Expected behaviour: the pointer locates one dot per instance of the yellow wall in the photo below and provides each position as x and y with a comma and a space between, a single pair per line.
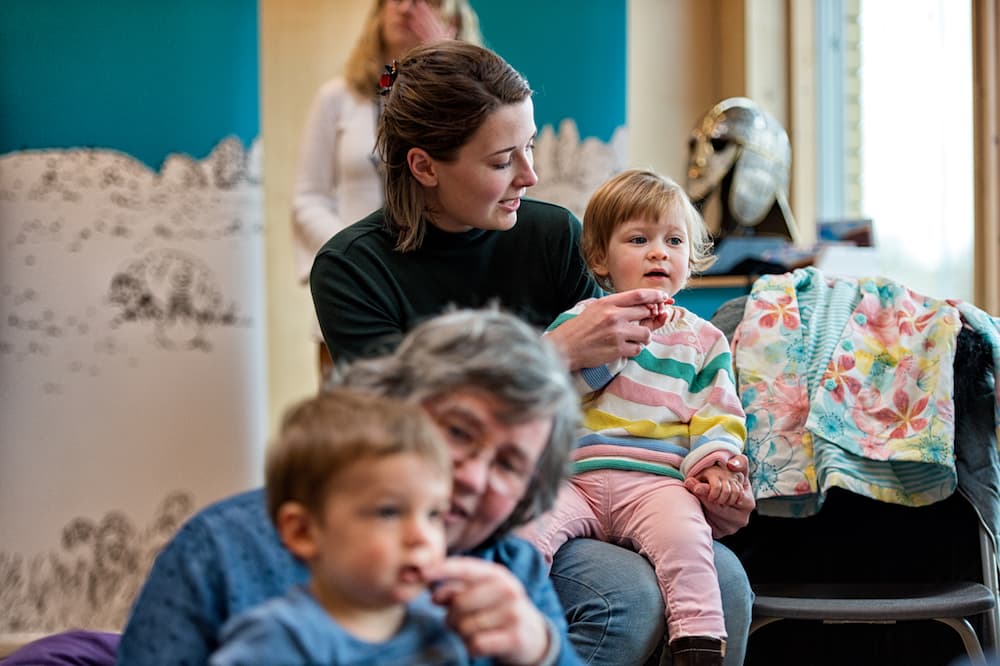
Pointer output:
686, 55
674, 77
302, 44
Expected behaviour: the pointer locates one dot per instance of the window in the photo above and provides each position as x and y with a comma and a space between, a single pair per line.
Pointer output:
895, 134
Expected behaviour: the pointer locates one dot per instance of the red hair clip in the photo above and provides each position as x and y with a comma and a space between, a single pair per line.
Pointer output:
387, 79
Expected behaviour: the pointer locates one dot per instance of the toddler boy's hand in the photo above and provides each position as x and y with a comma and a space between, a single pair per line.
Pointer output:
489, 608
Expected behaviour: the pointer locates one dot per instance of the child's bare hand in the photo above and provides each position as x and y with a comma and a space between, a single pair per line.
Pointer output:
659, 314
719, 485
608, 329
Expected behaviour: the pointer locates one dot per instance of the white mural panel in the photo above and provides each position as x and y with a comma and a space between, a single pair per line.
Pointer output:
569, 170
132, 367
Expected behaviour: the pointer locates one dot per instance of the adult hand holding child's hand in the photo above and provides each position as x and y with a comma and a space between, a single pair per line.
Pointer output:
726, 518
659, 314
609, 328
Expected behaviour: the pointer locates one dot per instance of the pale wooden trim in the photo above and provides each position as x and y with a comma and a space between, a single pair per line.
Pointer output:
986, 124
765, 31
802, 126
665, 102
731, 73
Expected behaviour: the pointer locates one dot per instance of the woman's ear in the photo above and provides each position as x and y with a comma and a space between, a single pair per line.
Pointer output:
295, 528
422, 167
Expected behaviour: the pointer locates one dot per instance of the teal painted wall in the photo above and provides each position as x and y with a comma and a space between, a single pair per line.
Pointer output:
150, 78
573, 54
143, 77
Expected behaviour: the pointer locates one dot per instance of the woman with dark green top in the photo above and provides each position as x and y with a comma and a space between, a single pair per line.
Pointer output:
368, 293
455, 138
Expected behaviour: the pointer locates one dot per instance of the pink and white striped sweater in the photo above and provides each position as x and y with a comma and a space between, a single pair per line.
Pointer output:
671, 410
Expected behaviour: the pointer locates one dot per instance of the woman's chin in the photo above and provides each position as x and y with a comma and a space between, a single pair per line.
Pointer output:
505, 222
504, 217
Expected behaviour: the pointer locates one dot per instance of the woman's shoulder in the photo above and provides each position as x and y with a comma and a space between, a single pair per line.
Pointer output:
233, 530
228, 529
537, 210
513, 552
371, 231
247, 505
545, 221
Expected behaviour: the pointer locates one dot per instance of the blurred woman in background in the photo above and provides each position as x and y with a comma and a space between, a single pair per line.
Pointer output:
338, 181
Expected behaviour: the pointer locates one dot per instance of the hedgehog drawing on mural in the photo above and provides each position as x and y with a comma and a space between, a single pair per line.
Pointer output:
175, 292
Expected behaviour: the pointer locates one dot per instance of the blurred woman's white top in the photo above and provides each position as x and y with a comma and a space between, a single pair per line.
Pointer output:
337, 183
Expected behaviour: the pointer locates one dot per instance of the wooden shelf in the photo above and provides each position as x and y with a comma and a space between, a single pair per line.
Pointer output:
715, 281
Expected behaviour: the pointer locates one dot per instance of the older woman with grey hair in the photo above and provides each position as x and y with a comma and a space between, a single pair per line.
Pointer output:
495, 358
503, 400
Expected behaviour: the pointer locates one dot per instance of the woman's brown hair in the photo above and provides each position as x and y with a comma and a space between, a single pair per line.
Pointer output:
442, 95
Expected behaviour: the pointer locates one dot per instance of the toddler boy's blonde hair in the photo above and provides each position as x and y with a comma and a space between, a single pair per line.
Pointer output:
321, 436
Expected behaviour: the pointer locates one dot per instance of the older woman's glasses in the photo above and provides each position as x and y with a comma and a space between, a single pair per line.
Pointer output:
507, 473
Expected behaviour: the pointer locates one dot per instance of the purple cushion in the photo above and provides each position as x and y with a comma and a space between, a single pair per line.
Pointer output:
69, 648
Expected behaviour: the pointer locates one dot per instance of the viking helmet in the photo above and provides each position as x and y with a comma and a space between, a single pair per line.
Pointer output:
738, 136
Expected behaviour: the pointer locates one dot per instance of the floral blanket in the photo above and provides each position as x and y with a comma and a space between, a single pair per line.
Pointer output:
846, 383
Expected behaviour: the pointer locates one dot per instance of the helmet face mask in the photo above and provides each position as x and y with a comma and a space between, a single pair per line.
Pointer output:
737, 137
710, 160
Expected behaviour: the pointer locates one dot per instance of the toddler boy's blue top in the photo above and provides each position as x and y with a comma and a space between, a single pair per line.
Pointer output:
228, 558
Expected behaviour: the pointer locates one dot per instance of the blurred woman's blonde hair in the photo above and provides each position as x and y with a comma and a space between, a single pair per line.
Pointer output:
364, 64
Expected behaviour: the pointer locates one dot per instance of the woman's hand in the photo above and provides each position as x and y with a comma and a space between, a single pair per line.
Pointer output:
726, 518
717, 484
489, 609
428, 25
609, 328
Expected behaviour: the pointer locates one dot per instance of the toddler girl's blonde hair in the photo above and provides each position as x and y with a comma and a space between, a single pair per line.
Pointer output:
640, 194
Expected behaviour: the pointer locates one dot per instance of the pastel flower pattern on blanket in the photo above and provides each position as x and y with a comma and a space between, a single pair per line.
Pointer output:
846, 383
